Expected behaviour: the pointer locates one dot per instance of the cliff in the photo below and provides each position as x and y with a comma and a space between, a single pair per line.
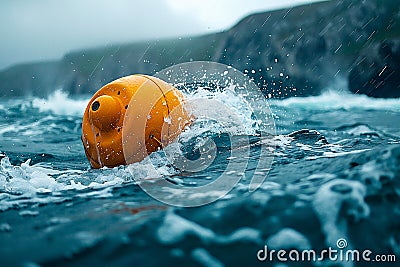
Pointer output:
288, 52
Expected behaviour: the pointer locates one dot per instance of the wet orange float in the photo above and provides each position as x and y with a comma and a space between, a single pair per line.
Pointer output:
130, 118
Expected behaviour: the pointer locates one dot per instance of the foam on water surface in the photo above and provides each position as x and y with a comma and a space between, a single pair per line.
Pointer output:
60, 103
331, 100
330, 170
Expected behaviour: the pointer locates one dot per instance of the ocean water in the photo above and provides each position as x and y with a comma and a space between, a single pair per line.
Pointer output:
335, 175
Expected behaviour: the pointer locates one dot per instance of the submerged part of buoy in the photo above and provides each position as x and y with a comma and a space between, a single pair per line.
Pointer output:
130, 118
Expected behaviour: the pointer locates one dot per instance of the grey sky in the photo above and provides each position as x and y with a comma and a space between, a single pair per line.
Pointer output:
35, 30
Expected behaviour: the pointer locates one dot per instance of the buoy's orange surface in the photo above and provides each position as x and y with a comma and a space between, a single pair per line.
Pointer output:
130, 118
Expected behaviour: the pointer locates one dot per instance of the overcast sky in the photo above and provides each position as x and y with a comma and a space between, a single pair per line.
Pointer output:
35, 30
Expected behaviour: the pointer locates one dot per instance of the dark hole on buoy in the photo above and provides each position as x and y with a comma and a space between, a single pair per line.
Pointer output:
95, 105
118, 93
126, 107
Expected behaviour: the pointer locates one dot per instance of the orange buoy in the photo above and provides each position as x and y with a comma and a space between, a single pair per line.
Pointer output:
130, 118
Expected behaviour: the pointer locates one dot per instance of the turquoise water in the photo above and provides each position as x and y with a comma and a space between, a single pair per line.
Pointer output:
335, 174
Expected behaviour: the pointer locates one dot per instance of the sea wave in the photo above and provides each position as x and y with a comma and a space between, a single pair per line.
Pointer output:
38, 183
60, 103
331, 100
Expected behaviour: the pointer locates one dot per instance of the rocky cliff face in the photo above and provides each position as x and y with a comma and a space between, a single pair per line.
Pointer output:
376, 71
289, 52
302, 50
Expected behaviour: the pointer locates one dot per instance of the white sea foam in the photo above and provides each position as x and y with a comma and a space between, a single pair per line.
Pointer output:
330, 154
59, 103
288, 238
337, 200
223, 111
28, 180
27, 129
339, 100
176, 228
